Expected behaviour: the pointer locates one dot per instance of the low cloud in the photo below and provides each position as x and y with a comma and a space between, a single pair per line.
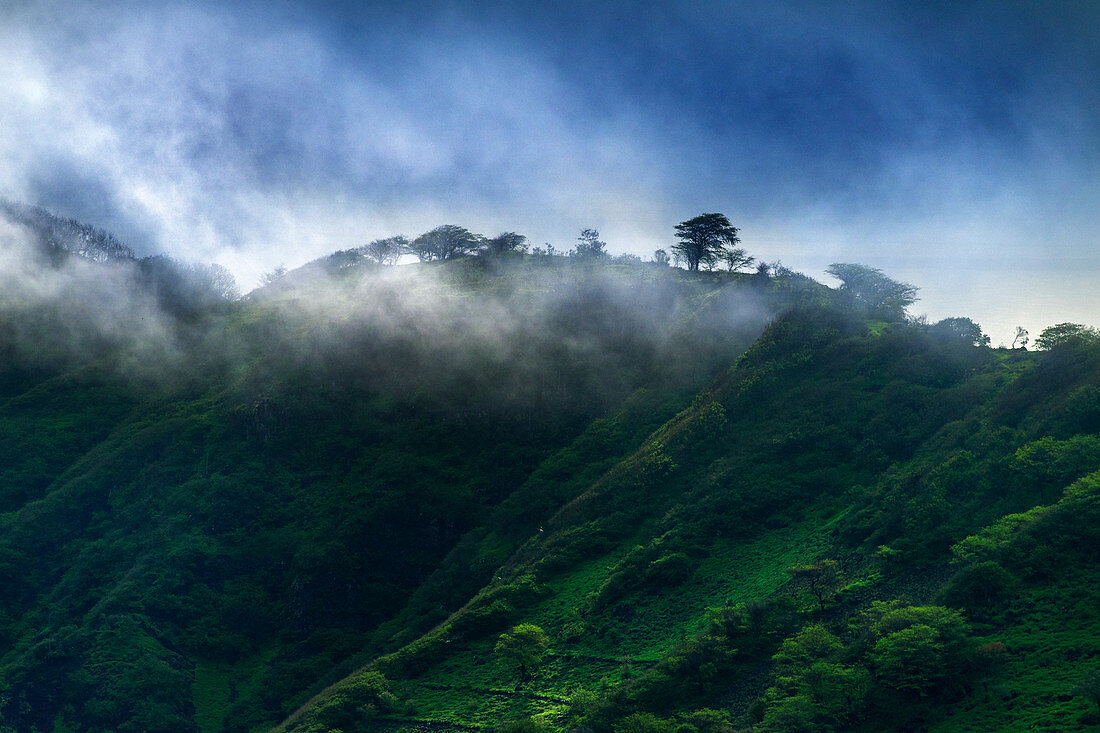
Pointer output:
266, 133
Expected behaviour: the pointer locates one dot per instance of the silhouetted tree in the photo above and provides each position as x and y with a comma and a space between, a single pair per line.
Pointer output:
589, 246
735, 258
1021, 337
386, 251
660, 257
822, 579
505, 242
444, 243
868, 288
963, 329
703, 238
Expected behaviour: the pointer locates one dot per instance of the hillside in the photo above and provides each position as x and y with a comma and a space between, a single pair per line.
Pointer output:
259, 487
850, 529
686, 501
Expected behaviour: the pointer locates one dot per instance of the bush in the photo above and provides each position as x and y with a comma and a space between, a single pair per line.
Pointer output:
981, 588
644, 723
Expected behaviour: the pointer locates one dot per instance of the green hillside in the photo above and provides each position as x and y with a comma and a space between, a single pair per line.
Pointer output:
536, 493
852, 528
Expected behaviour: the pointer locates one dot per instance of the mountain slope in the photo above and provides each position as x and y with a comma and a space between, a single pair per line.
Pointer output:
202, 523
664, 588
674, 501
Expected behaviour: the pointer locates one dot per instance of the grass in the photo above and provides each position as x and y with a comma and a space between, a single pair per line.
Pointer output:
1051, 644
471, 688
218, 685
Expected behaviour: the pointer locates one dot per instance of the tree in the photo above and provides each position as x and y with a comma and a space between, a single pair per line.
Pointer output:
506, 242
1021, 337
814, 689
867, 288
386, 251
918, 647
589, 246
218, 280
523, 647
186, 288
643, 723
1066, 333
822, 578
703, 238
661, 258
735, 257
445, 243
275, 275
962, 329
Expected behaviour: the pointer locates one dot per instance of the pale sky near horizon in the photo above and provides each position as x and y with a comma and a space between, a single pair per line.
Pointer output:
953, 145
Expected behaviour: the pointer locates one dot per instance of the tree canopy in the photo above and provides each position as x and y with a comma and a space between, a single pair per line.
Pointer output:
444, 243
386, 251
590, 246
1066, 333
868, 288
963, 329
703, 238
524, 647
506, 242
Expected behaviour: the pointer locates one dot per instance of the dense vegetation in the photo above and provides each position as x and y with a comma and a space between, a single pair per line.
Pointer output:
533, 492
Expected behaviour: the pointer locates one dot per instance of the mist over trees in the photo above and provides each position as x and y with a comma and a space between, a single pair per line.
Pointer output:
657, 500
590, 246
58, 236
505, 242
387, 251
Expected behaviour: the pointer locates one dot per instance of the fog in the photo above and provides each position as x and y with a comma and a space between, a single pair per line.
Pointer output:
495, 334
921, 140
475, 337
64, 312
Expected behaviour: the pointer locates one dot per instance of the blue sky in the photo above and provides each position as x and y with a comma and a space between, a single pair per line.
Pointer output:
954, 145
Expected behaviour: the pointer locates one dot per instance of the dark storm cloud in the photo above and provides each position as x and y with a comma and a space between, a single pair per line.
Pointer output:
914, 136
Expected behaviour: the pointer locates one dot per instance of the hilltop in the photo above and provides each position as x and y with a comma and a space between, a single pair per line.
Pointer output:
536, 492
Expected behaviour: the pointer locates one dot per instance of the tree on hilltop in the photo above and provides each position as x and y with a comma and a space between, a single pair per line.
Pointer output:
386, 251
590, 246
445, 243
735, 258
506, 242
703, 238
868, 288
1066, 333
962, 329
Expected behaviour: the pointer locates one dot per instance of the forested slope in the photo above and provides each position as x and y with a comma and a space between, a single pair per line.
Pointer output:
204, 518
531, 492
857, 526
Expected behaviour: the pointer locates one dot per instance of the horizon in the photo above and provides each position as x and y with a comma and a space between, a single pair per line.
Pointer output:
955, 148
